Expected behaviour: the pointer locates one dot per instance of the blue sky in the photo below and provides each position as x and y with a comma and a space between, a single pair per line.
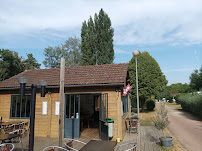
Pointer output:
170, 30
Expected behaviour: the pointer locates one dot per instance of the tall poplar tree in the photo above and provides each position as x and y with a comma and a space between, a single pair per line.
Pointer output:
97, 40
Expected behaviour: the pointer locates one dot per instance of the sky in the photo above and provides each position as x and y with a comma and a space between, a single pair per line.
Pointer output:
170, 30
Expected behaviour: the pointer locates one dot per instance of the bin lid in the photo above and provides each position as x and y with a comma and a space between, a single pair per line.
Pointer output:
109, 120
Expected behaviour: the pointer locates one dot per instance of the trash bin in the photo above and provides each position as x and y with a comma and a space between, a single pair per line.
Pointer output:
110, 122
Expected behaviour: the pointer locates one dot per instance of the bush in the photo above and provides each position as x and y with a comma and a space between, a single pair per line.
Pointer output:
170, 98
150, 104
192, 103
177, 99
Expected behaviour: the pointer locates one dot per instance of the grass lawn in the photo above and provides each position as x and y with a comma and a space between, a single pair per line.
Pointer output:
147, 118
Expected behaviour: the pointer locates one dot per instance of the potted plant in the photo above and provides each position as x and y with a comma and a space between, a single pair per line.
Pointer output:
161, 123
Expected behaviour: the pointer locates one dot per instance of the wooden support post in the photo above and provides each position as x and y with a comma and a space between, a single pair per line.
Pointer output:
61, 111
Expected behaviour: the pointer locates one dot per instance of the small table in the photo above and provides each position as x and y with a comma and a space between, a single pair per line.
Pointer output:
99, 146
4, 137
5, 124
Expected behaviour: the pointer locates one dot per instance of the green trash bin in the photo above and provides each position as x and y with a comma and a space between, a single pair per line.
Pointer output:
110, 122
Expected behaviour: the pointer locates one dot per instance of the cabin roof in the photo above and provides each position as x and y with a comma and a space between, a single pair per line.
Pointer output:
79, 75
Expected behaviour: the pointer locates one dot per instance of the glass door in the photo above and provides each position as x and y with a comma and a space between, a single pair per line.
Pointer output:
72, 116
103, 116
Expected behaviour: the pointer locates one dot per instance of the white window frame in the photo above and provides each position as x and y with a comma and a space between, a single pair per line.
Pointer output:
57, 107
45, 108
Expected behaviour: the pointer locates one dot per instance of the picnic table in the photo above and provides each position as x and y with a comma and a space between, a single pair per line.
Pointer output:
4, 137
99, 146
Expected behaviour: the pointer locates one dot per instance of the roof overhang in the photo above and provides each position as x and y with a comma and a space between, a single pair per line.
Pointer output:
68, 86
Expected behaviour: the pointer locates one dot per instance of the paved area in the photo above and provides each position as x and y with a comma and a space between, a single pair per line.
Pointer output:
186, 128
147, 139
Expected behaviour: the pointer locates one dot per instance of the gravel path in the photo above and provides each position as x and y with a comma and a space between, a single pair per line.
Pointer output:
186, 128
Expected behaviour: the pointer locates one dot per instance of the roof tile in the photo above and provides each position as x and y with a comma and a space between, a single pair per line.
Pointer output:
80, 75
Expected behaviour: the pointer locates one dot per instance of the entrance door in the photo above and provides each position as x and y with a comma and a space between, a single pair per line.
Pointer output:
72, 116
103, 117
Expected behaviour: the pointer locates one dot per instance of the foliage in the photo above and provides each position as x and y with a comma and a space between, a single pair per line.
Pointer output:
150, 104
150, 77
196, 79
163, 94
192, 103
162, 117
70, 51
170, 98
11, 64
97, 40
180, 88
177, 98
31, 63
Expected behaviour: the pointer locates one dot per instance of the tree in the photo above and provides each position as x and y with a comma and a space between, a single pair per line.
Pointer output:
150, 77
88, 48
10, 64
97, 40
179, 88
196, 79
70, 51
31, 63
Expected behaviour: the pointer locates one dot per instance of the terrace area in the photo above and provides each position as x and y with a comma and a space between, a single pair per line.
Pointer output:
147, 140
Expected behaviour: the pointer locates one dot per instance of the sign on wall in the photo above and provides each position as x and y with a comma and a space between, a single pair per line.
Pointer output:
125, 91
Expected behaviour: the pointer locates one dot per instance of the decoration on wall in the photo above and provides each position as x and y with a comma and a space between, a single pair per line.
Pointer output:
125, 91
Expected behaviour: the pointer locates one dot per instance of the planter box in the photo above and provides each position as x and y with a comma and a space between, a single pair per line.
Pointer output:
166, 141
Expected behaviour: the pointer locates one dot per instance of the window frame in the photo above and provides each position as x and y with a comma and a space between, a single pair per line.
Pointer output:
11, 105
124, 102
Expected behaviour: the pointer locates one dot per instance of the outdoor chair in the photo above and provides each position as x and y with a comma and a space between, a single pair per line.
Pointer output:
133, 148
25, 126
133, 125
15, 126
69, 144
17, 139
52, 148
6, 147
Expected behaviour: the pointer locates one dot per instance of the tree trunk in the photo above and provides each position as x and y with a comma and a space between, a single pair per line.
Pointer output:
142, 105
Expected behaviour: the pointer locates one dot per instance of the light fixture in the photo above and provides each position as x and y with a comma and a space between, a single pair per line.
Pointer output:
22, 81
136, 53
43, 84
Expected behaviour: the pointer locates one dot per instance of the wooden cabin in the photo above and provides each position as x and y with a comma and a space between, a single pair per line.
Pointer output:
92, 94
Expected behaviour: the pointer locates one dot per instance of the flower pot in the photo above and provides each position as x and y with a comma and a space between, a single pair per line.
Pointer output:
166, 141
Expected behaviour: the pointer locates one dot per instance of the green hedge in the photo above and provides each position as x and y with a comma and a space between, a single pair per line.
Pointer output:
150, 104
191, 103
177, 98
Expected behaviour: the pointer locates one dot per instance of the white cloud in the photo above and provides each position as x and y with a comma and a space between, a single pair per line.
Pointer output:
135, 22
120, 51
179, 70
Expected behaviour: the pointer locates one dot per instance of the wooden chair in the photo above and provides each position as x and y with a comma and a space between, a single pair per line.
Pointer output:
133, 148
69, 144
6, 147
52, 148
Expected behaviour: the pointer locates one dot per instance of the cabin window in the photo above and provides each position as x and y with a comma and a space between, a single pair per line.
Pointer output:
20, 106
124, 104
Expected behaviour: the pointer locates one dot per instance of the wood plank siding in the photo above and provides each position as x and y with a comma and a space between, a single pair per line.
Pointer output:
48, 125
